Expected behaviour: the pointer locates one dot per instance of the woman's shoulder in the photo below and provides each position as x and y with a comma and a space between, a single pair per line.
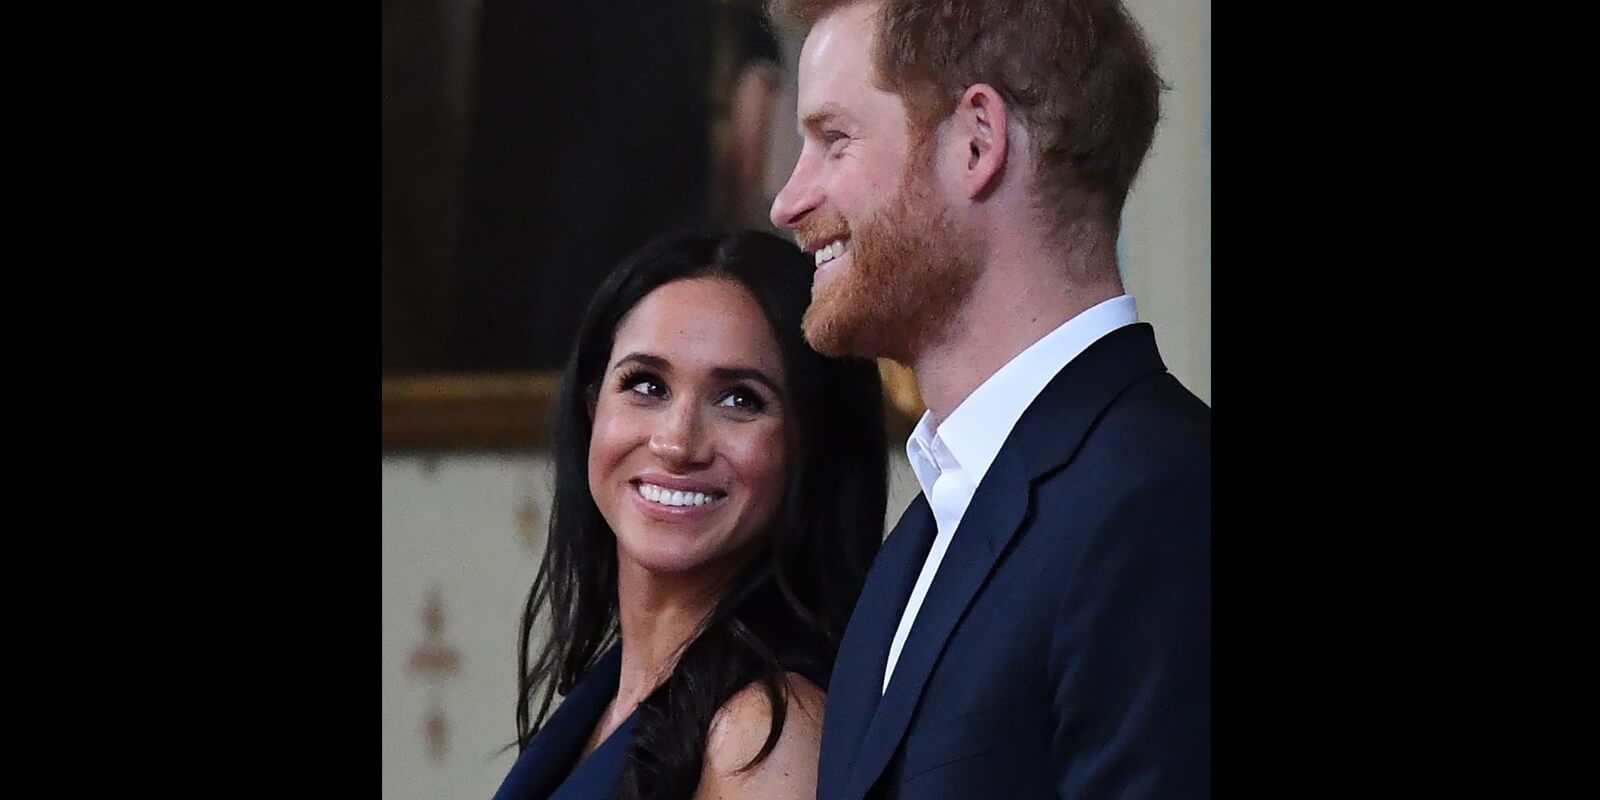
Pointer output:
739, 732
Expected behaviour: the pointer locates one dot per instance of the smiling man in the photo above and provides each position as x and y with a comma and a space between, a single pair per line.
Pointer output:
1038, 623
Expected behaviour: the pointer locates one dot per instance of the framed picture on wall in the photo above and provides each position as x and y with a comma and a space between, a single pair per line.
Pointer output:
527, 149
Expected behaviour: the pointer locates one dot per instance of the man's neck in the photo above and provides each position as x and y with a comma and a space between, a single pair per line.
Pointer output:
1019, 297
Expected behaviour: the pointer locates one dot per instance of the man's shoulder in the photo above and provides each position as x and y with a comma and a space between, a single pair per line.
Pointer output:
1155, 418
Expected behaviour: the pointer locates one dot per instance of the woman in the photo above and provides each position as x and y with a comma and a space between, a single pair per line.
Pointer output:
719, 496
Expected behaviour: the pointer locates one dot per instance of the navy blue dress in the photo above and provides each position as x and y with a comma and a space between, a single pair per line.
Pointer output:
542, 771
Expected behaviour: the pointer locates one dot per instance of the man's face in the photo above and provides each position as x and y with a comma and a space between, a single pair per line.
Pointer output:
864, 200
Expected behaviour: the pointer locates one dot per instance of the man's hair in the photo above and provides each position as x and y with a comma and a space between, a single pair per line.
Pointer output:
1078, 73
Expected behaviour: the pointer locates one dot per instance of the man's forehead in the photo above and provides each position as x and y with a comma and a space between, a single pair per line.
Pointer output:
836, 55
847, 32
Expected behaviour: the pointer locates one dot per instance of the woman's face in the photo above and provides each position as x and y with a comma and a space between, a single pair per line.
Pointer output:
687, 454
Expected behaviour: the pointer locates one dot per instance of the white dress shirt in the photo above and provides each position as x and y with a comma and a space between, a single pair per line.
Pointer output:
951, 462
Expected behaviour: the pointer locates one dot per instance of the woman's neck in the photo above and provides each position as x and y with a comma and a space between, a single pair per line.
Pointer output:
658, 615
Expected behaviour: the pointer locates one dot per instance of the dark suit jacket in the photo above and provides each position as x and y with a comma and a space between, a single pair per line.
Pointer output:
1063, 649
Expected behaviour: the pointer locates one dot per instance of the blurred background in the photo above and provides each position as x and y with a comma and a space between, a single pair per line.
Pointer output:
527, 147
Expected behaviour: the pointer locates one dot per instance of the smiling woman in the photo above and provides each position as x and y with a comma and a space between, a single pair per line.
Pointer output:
719, 493
690, 429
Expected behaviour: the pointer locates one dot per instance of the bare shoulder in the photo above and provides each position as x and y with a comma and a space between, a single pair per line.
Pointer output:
740, 728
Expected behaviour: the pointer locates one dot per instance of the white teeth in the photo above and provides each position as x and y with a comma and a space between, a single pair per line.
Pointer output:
829, 253
670, 497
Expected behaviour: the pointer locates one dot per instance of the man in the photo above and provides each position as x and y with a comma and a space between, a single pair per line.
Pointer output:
1038, 623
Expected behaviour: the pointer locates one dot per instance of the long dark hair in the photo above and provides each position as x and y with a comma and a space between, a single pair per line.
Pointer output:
787, 609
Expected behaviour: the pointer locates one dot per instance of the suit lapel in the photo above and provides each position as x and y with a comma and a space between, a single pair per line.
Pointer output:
1046, 438
995, 514
856, 687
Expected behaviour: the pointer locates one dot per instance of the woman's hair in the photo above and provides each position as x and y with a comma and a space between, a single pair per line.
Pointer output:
786, 610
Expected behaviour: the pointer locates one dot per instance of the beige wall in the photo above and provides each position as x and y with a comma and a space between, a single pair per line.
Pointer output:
451, 525
1166, 242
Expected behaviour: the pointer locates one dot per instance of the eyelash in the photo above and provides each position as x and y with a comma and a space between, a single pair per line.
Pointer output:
631, 380
755, 403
